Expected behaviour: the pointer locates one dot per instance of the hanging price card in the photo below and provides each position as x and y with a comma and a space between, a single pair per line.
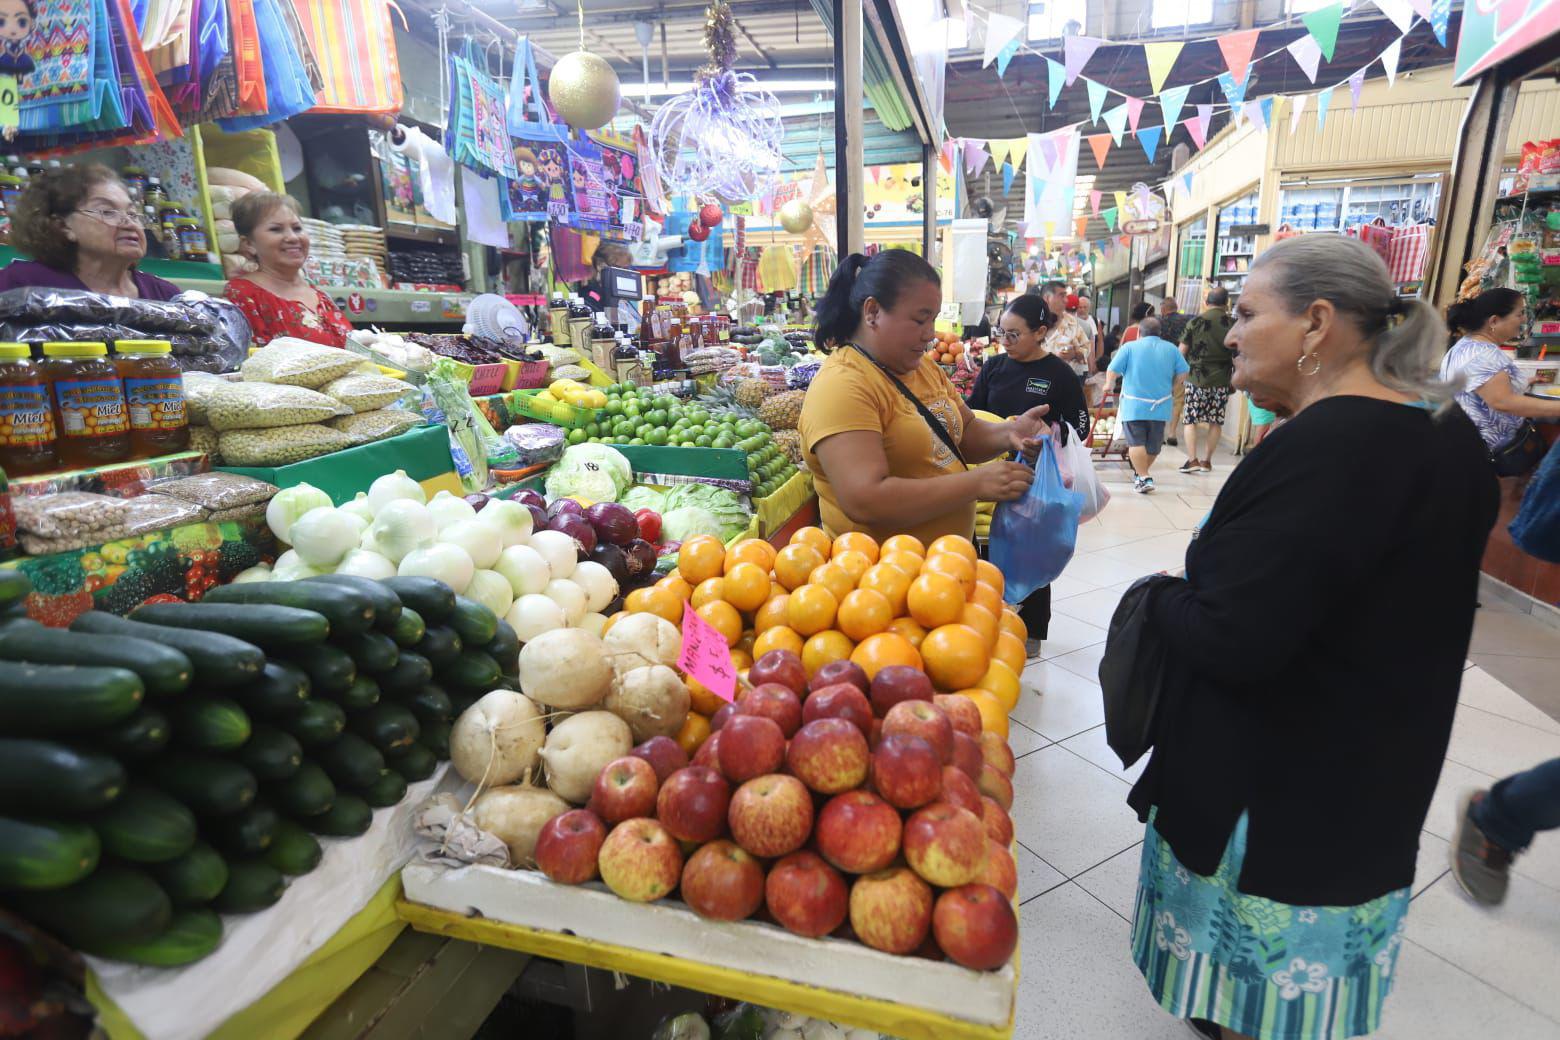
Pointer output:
10, 101
706, 657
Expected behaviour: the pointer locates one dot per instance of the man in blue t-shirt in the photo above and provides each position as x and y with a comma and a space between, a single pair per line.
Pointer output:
1151, 369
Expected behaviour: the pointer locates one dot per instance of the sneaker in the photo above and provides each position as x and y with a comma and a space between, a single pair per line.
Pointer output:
1481, 867
1032, 649
1189, 466
1206, 467
1148, 484
1142, 485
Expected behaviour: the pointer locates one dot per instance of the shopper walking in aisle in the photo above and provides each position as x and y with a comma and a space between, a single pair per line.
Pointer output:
1150, 369
1012, 384
1314, 652
1067, 338
888, 439
1172, 328
1139, 312
1498, 824
1490, 387
276, 297
83, 231
1208, 385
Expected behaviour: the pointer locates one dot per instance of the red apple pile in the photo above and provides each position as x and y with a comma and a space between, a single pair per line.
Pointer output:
869, 809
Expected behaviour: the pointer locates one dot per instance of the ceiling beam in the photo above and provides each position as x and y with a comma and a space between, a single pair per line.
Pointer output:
672, 10
762, 54
883, 24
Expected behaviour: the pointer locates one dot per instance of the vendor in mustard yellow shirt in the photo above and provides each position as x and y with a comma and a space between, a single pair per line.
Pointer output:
888, 439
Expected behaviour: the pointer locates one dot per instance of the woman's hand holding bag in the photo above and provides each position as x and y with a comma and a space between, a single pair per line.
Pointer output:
1033, 537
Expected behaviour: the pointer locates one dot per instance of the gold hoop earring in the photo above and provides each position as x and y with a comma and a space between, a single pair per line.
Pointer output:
1316, 365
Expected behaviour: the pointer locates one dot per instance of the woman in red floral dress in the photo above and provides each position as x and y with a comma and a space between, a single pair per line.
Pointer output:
276, 298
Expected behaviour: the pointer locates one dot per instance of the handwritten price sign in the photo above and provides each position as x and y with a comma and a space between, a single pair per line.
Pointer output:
706, 657
10, 101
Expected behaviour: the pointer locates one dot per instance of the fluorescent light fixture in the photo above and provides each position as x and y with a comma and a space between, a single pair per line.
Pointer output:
783, 86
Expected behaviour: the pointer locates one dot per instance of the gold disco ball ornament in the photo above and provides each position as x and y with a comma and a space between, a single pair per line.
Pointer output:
796, 216
583, 90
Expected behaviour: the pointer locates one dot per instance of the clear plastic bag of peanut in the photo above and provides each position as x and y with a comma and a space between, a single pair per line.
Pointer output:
366, 391
68, 514
376, 425
297, 362
281, 445
257, 406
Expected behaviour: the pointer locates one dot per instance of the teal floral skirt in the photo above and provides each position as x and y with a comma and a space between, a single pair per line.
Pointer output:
1269, 970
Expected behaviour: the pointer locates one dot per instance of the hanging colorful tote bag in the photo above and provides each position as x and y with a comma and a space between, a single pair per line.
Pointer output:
477, 127
539, 188
289, 87
64, 70
248, 68
354, 42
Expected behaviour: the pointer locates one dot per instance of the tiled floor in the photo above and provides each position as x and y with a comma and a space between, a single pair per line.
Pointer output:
1464, 972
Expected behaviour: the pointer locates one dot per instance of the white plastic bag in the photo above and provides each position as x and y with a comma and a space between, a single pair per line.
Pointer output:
1075, 462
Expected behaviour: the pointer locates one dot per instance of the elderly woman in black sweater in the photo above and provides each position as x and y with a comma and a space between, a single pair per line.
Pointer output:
1316, 650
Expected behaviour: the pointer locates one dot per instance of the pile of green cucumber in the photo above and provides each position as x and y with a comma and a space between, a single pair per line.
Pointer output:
159, 770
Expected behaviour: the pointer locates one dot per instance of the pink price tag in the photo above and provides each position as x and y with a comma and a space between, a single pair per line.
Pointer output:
706, 657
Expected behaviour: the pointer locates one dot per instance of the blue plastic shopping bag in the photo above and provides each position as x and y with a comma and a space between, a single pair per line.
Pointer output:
1033, 537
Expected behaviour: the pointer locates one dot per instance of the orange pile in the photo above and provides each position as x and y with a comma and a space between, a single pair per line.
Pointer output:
949, 348
938, 608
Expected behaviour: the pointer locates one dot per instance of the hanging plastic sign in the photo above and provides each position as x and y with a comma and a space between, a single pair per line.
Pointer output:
10, 102
705, 656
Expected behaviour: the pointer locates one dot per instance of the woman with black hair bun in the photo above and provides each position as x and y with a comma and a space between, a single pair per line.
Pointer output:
1011, 383
1490, 387
887, 438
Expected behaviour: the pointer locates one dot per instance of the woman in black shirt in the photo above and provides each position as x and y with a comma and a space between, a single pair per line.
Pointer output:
1011, 384
1314, 655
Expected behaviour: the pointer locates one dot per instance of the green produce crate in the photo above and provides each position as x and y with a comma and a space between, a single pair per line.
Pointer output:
424, 453
571, 417
718, 463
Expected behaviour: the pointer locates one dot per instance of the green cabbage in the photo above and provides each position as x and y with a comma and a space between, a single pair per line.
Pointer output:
725, 506
593, 471
679, 525
642, 497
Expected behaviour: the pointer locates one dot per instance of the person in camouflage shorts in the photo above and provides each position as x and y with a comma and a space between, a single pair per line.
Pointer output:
1208, 385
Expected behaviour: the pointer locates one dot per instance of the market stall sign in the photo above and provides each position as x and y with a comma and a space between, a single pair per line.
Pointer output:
1244, 230
10, 102
1495, 30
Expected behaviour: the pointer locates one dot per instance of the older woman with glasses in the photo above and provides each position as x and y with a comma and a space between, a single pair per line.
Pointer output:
83, 231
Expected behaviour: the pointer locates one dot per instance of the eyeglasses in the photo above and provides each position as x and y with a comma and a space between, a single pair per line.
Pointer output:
1006, 335
115, 217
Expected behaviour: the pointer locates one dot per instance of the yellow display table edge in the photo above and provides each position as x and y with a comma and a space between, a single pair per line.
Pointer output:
831, 1005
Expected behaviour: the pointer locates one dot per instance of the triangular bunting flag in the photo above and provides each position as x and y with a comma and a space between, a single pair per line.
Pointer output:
1307, 55
1205, 117
1004, 56
945, 156
1054, 76
1109, 216
1389, 60
1080, 226
1298, 101
1234, 92
1258, 112
1148, 137
1116, 120
1237, 48
1186, 182
1356, 84
1096, 99
1000, 30
1399, 11
1134, 112
975, 156
1440, 12
1267, 111
1048, 153
1121, 199
1036, 188
1125, 240
1094, 202
1322, 101
1194, 126
1101, 145
1421, 8
1076, 52
876, 172
1050, 231
1008, 173
1161, 59
1170, 102
1322, 24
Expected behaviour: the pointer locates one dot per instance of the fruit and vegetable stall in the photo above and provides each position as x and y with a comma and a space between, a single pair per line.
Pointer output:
563, 670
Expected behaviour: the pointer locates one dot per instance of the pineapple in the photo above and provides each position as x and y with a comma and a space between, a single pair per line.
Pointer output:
721, 401
782, 411
790, 442
750, 393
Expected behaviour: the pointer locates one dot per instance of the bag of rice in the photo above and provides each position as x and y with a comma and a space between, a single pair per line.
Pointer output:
253, 406
297, 362
364, 392
281, 445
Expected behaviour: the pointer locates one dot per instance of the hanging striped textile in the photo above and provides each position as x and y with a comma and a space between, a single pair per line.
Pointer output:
354, 44
816, 271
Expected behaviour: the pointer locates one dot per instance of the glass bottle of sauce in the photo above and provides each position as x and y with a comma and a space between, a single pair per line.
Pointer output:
89, 404
27, 434
558, 313
154, 394
192, 240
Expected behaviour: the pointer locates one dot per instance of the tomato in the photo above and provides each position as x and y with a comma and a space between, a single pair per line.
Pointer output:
649, 522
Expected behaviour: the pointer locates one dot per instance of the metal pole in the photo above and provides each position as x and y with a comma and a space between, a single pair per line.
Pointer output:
849, 154
1469, 202
929, 203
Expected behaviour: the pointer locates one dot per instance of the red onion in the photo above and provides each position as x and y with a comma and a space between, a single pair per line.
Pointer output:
641, 557
531, 497
565, 505
477, 501
614, 560
613, 522
576, 527
538, 516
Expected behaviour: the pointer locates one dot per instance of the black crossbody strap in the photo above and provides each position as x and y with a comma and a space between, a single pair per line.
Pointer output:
926, 413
